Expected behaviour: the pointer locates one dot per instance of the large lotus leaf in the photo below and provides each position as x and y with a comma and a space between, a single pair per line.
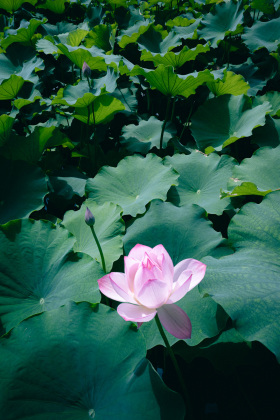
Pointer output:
105, 107
265, 6
231, 83
32, 97
79, 55
262, 169
179, 21
251, 74
75, 38
167, 82
127, 95
185, 233
156, 41
6, 125
30, 148
269, 134
68, 182
263, 35
174, 59
223, 120
13, 5
81, 362
133, 183
273, 98
22, 190
102, 36
23, 66
81, 95
57, 6
187, 32
146, 135
201, 179
10, 88
109, 228
40, 271
23, 34
131, 35
246, 283
225, 20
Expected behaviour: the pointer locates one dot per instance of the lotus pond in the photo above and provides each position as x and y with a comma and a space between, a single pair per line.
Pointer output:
139, 209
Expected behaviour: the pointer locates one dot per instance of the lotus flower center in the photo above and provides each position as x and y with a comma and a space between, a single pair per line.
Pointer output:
91, 413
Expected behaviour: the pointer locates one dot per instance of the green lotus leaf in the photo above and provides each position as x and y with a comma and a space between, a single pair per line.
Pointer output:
79, 55
146, 135
23, 34
67, 182
267, 135
251, 74
109, 228
245, 188
22, 190
31, 147
20, 65
133, 183
273, 98
105, 107
188, 32
174, 59
201, 179
21, 102
186, 234
231, 83
57, 6
263, 35
13, 5
265, 6
226, 19
71, 354
102, 36
75, 38
131, 35
6, 125
126, 93
223, 120
167, 82
10, 88
179, 21
256, 169
47, 45
40, 271
246, 283
80, 95
156, 41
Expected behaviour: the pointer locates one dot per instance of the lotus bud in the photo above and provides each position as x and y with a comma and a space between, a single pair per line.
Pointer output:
86, 70
89, 217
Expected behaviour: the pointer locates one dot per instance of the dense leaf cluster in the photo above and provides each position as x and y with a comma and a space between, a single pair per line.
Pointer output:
171, 136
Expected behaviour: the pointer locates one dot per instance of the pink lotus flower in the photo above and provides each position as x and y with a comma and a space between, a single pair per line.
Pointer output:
151, 285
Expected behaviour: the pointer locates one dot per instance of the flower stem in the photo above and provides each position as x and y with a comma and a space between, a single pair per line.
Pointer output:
177, 369
164, 123
99, 249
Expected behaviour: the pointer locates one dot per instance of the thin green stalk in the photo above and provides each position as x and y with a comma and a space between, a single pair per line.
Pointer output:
173, 109
187, 122
177, 369
102, 259
164, 123
99, 248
